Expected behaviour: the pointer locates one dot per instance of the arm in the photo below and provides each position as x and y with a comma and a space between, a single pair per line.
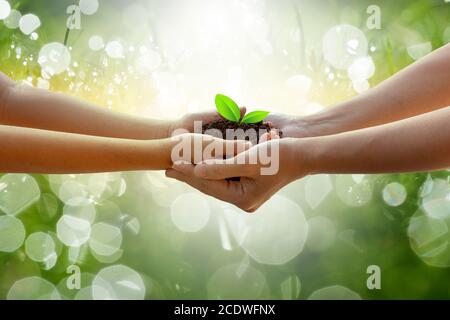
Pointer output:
416, 144
419, 143
30, 107
40, 151
420, 88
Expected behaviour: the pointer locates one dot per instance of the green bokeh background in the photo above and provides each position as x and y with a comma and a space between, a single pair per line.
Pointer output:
177, 265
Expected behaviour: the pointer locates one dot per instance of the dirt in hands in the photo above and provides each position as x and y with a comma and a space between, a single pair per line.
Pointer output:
226, 129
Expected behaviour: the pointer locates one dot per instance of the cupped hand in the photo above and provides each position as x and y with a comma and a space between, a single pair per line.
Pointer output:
187, 122
290, 126
195, 148
259, 178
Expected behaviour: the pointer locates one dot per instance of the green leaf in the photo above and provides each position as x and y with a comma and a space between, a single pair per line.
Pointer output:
255, 116
227, 108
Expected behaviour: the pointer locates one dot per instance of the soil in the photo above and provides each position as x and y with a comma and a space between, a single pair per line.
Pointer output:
250, 132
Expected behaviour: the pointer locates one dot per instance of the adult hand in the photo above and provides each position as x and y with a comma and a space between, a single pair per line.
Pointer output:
295, 126
258, 181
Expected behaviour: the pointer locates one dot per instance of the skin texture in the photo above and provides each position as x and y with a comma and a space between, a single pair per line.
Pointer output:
42, 151
25, 106
44, 132
394, 127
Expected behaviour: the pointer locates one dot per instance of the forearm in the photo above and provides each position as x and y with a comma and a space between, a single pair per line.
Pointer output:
411, 145
422, 87
40, 151
25, 106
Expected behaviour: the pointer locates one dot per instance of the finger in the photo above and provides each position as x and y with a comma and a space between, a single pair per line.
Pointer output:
229, 191
184, 168
264, 138
210, 116
218, 148
197, 147
273, 134
234, 147
224, 169
222, 190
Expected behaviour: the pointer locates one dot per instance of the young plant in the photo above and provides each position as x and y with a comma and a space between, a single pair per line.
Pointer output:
228, 109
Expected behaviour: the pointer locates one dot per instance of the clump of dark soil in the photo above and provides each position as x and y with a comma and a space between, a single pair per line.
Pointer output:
230, 130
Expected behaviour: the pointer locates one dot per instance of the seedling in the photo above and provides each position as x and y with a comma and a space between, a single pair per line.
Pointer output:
228, 109
232, 126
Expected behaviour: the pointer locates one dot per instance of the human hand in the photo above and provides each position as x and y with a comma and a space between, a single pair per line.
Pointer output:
187, 122
257, 183
195, 148
294, 126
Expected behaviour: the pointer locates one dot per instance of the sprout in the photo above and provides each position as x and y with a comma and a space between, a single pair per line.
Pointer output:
228, 109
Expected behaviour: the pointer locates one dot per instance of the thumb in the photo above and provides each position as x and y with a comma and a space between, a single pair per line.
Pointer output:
223, 169
219, 148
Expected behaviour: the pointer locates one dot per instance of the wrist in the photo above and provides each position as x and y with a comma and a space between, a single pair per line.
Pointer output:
156, 154
172, 126
166, 127
322, 124
305, 156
